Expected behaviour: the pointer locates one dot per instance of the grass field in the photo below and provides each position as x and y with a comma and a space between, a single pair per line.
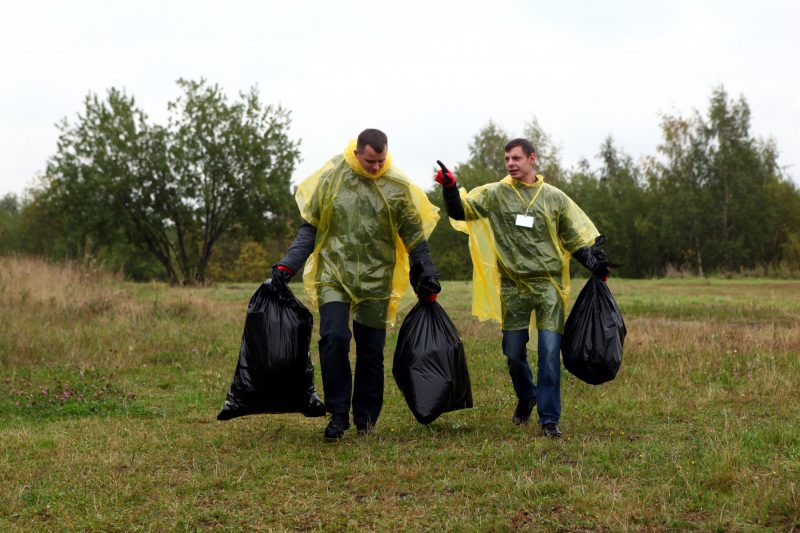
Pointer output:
109, 392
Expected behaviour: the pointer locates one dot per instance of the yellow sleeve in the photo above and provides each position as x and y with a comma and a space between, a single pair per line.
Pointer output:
485, 275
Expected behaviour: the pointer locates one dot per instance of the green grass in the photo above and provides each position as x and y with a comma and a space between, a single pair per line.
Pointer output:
109, 392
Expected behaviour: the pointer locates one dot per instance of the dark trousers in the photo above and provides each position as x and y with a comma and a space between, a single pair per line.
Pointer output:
337, 377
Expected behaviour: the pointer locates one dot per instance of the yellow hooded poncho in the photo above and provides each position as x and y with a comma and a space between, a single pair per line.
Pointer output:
509, 260
366, 224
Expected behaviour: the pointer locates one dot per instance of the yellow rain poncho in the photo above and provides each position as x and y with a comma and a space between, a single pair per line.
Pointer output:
516, 268
366, 224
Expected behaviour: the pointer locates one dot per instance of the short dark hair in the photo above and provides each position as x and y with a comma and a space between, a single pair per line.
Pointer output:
525, 144
375, 138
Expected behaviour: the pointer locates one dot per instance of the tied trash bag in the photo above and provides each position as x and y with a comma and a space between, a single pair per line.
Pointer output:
274, 373
429, 366
591, 346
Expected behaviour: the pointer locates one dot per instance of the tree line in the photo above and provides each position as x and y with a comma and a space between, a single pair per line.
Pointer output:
208, 195
713, 199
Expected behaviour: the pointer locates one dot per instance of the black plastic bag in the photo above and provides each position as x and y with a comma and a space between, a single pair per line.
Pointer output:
274, 373
594, 335
429, 366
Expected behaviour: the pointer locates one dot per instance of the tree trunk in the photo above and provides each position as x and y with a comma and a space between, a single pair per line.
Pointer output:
699, 256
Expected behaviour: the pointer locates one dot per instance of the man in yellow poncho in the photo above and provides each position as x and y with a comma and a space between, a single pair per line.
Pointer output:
522, 233
364, 219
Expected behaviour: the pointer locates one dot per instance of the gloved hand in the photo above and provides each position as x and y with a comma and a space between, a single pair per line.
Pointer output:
425, 281
602, 269
595, 259
281, 275
444, 177
428, 289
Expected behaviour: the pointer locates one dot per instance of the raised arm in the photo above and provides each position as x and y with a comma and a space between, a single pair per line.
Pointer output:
452, 198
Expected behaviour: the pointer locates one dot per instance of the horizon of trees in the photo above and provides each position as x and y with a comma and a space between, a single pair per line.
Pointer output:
208, 195
712, 200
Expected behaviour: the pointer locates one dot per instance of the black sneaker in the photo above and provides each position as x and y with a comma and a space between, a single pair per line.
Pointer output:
337, 426
523, 411
552, 431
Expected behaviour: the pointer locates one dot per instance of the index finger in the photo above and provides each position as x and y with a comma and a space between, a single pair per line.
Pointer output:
444, 168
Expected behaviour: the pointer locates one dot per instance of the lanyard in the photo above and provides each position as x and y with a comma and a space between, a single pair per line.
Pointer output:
523, 200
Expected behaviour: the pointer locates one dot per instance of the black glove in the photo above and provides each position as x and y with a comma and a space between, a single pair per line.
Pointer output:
281, 276
428, 288
425, 281
601, 270
595, 258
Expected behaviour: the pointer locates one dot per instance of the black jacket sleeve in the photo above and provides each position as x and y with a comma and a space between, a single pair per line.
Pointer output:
421, 253
452, 202
301, 248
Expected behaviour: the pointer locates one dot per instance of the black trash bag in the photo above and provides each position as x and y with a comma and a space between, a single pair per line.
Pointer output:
594, 334
274, 373
429, 366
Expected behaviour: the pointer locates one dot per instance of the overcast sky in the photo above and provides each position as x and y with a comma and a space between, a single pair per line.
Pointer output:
429, 73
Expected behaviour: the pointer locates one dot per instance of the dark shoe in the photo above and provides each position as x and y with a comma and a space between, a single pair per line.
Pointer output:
552, 431
315, 407
336, 427
523, 411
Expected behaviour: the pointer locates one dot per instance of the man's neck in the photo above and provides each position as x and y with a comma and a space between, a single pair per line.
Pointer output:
529, 179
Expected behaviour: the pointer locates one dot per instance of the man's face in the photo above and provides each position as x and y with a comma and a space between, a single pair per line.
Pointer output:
518, 164
371, 160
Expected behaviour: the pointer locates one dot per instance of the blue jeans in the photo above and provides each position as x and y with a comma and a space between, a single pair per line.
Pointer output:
547, 390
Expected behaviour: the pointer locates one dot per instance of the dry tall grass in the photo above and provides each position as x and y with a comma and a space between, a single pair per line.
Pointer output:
63, 288
78, 314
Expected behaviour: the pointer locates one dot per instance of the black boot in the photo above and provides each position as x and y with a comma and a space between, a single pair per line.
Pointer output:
337, 426
523, 411
552, 431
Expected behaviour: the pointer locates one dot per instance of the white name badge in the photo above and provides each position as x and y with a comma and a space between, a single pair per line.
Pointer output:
525, 221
